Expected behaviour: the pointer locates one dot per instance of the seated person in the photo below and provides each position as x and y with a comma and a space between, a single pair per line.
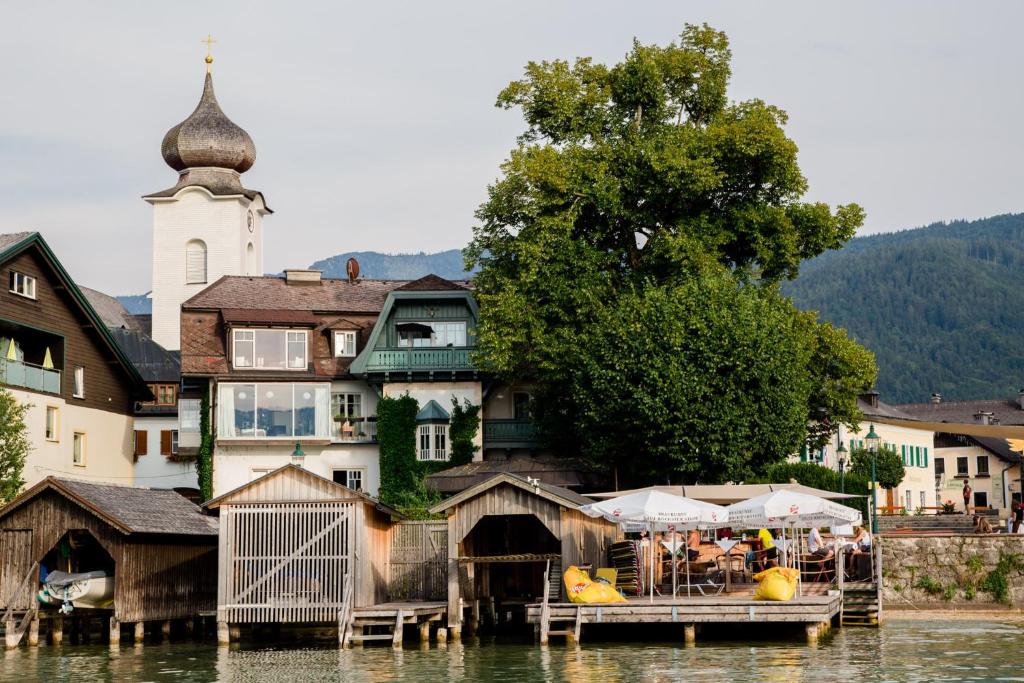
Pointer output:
693, 545
770, 552
981, 525
817, 546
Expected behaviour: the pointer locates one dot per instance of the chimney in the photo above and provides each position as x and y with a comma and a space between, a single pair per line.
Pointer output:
352, 269
871, 398
299, 276
983, 417
936, 398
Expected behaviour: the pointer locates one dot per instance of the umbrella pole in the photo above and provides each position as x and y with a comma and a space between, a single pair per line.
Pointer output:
785, 555
650, 536
799, 574
675, 573
688, 569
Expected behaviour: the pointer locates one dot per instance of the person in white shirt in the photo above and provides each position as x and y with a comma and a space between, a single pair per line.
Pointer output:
817, 546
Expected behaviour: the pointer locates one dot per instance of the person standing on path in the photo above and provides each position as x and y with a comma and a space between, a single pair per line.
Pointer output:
1018, 512
967, 497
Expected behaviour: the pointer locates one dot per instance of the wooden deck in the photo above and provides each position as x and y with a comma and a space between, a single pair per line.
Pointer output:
814, 611
389, 619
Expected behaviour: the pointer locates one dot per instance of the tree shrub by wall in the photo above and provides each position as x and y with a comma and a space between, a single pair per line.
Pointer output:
462, 429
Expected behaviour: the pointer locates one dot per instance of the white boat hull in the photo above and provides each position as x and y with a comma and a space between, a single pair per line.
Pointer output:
95, 593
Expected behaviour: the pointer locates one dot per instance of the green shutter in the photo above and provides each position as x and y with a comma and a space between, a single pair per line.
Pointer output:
903, 449
803, 453
926, 456
917, 460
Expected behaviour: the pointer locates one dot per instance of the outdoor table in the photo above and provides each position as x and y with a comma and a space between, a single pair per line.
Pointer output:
727, 544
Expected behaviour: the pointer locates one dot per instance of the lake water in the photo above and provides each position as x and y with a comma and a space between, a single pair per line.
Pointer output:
899, 651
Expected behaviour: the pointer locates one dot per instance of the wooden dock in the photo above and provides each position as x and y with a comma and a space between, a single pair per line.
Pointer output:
387, 621
816, 612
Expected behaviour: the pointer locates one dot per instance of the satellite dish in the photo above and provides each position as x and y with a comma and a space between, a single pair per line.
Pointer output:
352, 268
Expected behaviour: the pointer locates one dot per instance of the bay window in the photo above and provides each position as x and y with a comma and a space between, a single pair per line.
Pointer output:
274, 410
433, 442
269, 349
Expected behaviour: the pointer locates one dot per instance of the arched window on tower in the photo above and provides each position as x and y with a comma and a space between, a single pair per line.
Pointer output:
195, 262
250, 259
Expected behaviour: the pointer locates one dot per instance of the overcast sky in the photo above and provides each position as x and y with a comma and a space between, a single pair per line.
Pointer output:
375, 127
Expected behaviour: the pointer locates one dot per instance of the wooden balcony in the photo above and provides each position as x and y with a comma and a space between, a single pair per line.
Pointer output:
420, 360
509, 434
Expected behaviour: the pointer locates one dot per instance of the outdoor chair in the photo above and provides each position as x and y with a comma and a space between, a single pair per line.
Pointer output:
734, 563
760, 562
711, 582
815, 569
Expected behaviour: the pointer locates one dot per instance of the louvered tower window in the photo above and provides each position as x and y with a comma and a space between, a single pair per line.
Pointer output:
195, 262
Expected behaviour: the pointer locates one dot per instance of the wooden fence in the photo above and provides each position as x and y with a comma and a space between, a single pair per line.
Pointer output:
419, 560
284, 562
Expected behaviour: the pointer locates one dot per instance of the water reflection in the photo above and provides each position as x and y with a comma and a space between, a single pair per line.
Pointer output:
902, 651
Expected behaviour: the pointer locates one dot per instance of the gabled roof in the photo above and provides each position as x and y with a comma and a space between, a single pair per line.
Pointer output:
129, 509
326, 490
1008, 412
154, 362
13, 244
112, 311
432, 412
555, 494
430, 283
564, 472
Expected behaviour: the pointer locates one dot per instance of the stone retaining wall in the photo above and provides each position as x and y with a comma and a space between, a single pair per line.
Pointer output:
951, 569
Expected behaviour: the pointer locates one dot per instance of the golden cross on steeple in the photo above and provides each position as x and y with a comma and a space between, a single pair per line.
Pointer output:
209, 50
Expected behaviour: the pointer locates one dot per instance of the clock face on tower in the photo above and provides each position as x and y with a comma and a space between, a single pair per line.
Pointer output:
249, 219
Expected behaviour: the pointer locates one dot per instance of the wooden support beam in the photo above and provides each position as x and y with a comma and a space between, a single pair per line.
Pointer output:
396, 639
690, 634
441, 635
139, 635
812, 633
115, 631
33, 630
424, 627
57, 630
165, 630
223, 633
10, 641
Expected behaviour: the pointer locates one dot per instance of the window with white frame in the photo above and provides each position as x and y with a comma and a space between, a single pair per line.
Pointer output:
79, 388
52, 423
269, 349
347, 411
78, 449
23, 285
433, 442
909, 500
353, 479
273, 410
922, 499
344, 343
188, 415
444, 334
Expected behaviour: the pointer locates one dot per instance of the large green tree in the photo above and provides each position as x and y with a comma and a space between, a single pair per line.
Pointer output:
14, 445
629, 259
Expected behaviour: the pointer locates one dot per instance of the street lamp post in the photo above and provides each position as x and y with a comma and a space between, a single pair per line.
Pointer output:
872, 441
841, 455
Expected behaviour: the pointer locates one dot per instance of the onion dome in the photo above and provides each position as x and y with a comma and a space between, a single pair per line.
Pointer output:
208, 138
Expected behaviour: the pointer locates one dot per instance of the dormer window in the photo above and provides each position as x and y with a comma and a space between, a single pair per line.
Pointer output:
269, 349
23, 285
344, 344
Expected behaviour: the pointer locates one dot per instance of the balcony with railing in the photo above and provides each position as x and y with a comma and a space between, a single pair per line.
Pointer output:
510, 433
354, 430
16, 373
420, 359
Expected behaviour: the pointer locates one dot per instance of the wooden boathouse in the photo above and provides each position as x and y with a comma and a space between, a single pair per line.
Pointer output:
160, 548
503, 533
301, 549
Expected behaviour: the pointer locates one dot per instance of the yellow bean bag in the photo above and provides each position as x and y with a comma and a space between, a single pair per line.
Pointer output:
581, 589
777, 583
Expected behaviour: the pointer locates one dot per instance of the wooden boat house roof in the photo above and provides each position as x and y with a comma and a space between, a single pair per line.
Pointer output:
292, 483
550, 492
129, 509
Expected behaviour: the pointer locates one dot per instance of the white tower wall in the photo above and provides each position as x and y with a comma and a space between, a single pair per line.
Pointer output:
222, 223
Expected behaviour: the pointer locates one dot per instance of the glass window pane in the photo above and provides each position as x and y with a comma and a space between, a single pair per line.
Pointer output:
244, 348
274, 412
296, 350
188, 415
305, 410
270, 349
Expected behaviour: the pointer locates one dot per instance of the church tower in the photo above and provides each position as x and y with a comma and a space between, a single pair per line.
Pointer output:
208, 225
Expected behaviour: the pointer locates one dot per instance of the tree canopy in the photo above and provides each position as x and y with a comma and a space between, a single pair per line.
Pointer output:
889, 469
15, 444
629, 259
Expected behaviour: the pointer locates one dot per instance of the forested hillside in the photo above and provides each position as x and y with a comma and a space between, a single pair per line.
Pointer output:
940, 306
373, 264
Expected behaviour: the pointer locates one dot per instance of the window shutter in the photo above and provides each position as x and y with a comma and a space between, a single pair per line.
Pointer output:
141, 442
803, 453
165, 442
903, 452
195, 262
925, 457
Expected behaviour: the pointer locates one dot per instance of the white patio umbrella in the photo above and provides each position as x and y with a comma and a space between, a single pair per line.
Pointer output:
659, 510
781, 508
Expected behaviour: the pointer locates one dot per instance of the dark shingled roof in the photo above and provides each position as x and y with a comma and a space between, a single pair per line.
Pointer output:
557, 494
1006, 411
270, 292
9, 239
430, 283
883, 410
132, 510
111, 311
154, 362
559, 472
